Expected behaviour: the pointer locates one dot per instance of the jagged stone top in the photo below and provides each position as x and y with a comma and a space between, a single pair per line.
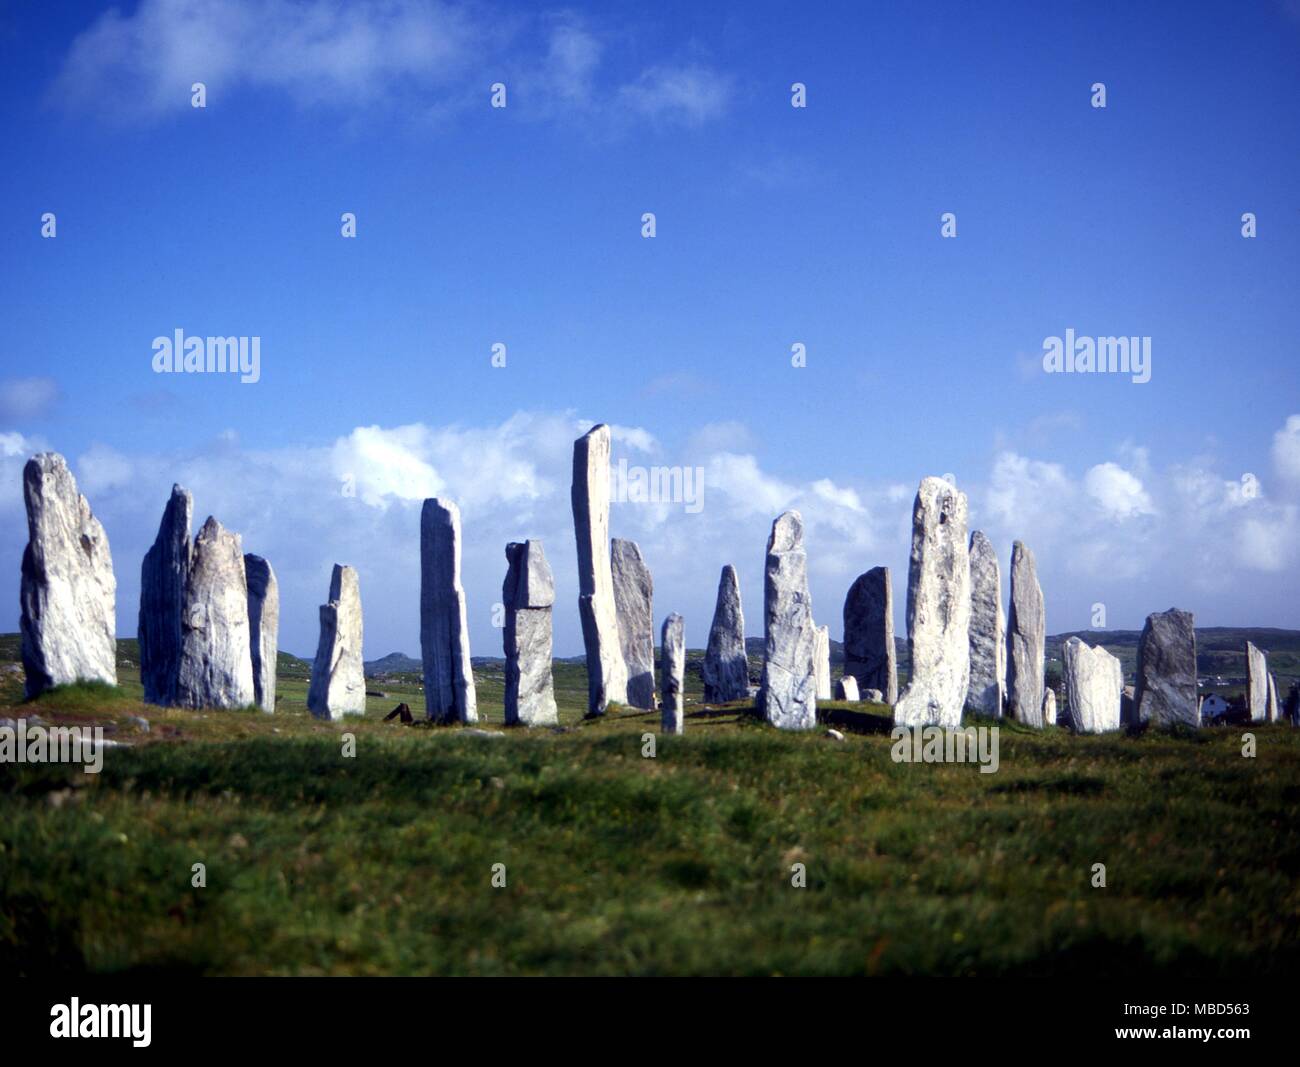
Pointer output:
787, 533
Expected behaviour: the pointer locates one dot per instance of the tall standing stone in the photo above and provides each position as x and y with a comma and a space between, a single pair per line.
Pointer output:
870, 655
673, 644
338, 674
163, 577
726, 665
986, 693
606, 670
529, 596
634, 591
263, 627
1272, 699
1256, 683
1166, 670
1049, 707
789, 692
1026, 639
822, 662
67, 592
1094, 687
216, 664
449, 693
938, 609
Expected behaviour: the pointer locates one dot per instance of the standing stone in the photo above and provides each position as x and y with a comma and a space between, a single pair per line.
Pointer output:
873, 696
634, 591
1094, 688
163, 576
869, 652
788, 697
1256, 683
606, 670
986, 694
822, 663
1026, 639
528, 595
67, 592
1166, 670
1292, 709
847, 689
338, 681
938, 609
216, 664
1272, 699
673, 671
1049, 707
263, 627
726, 665
449, 693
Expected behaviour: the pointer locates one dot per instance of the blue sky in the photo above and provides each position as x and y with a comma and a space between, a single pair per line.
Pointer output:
775, 225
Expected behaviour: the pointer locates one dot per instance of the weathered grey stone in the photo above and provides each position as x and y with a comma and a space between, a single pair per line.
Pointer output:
1094, 687
870, 655
1292, 709
673, 674
788, 697
528, 595
986, 694
338, 683
1256, 683
449, 692
846, 688
725, 669
1049, 707
1026, 639
163, 577
938, 609
874, 696
1166, 670
1272, 699
606, 670
634, 591
67, 592
822, 662
216, 664
263, 627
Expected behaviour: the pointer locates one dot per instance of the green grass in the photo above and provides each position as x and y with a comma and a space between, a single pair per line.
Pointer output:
617, 864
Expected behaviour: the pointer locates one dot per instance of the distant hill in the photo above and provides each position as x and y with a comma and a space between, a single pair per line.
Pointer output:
393, 663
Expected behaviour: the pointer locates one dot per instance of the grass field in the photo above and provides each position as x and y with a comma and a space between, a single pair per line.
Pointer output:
382, 863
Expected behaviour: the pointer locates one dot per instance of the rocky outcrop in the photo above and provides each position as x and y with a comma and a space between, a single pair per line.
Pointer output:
673, 682
163, 577
1166, 671
725, 669
634, 591
1094, 688
986, 693
1256, 683
1026, 638
216, 664
67, 591
449, 693
938, 609
788, 697
822, 662
529, 597
606, 670
263, 628
338, 683
870, 655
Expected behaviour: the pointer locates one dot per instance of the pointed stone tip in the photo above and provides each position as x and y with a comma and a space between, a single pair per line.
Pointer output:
787, 532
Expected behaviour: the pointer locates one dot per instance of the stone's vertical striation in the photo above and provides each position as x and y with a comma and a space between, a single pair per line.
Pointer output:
1166, 671
606, 671
1026, 640
726, 666
1256, 683
1094, 688
338, 683
938, 609
529, 596
822, 663
847, 689
216, 663
673, 671
788, 697
67, 591
263, 627
1049, 707
869, 652
986, 694
163, 577
449, 693
634, 591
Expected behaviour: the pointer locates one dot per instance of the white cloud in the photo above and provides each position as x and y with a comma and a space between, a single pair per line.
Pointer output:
691, 94
1118, 493
1286, 451
27, 398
